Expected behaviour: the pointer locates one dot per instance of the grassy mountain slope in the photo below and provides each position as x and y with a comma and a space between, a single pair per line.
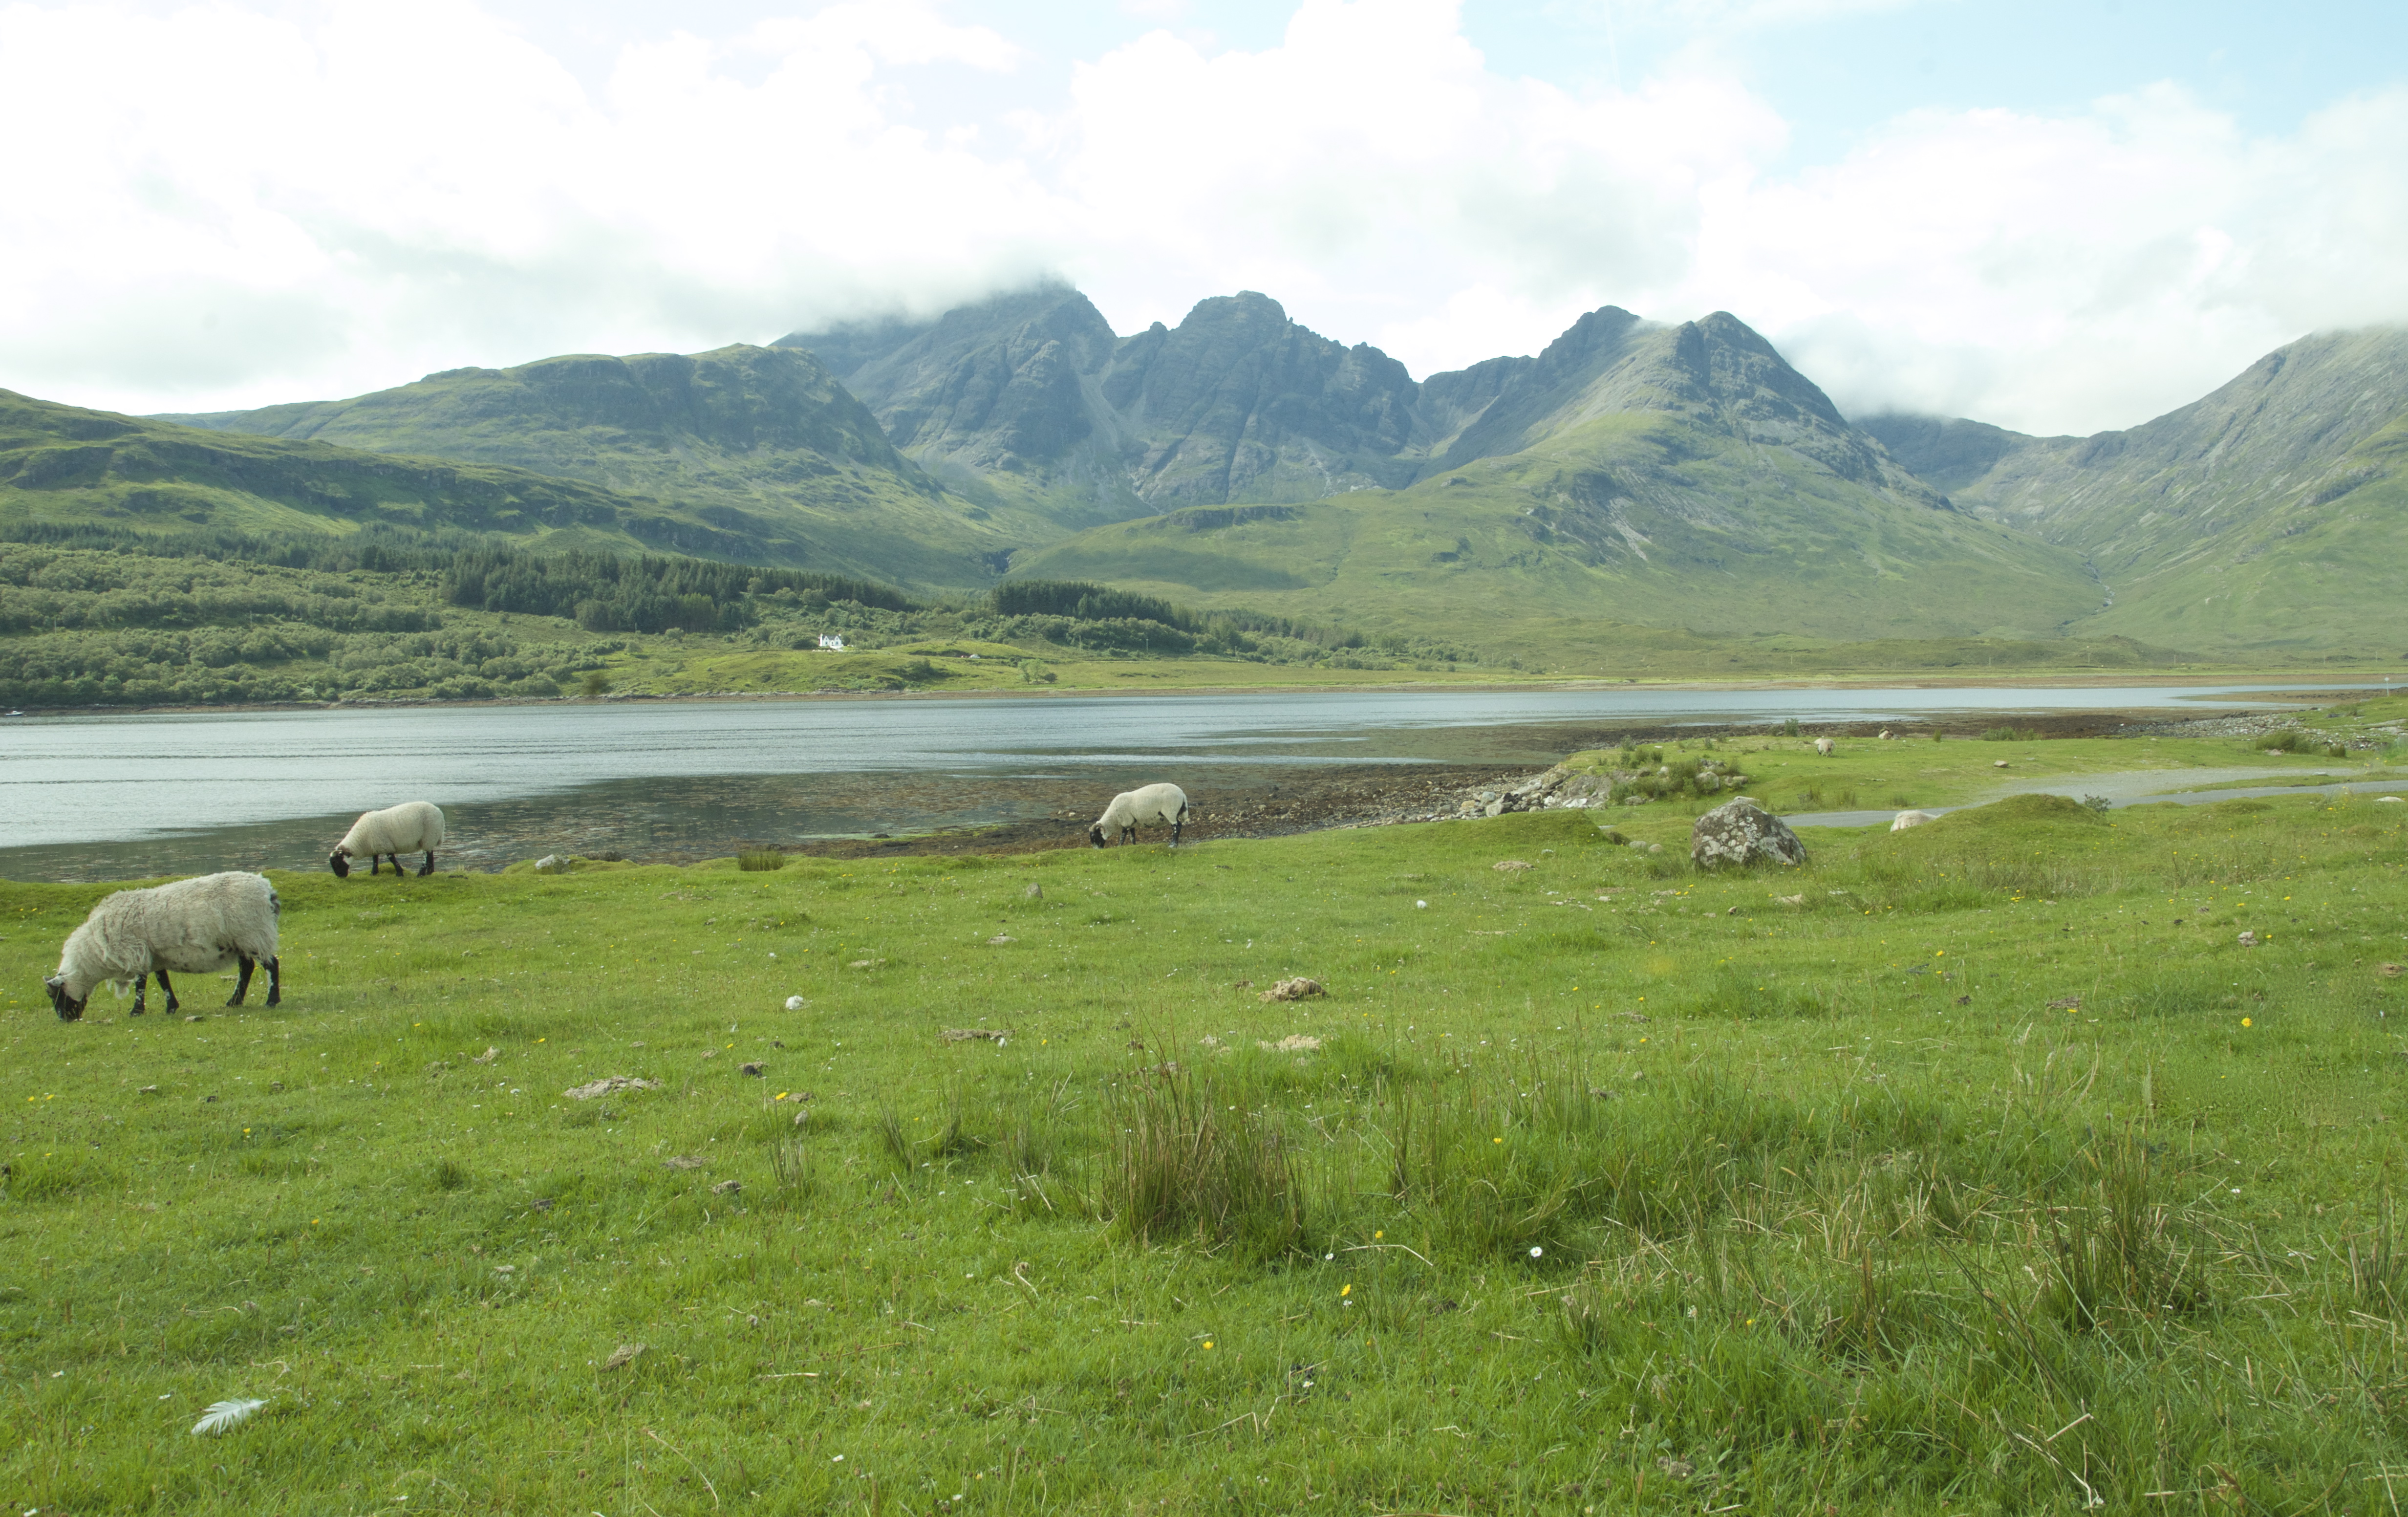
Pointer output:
761, 443
2272, 512
1679, 477
64, 464
1625, 519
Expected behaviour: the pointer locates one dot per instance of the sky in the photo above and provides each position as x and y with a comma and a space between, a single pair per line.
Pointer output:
2057, 217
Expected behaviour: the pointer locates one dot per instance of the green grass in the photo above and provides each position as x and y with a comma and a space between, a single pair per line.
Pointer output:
1978, 1163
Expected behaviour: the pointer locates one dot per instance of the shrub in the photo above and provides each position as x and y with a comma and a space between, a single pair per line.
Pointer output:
758, 858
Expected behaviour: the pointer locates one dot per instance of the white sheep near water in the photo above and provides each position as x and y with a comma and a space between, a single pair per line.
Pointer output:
192, 926
1825, 747
1904, 819
1131, 809
389, 834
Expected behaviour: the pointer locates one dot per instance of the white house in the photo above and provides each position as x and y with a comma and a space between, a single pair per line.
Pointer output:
832, 641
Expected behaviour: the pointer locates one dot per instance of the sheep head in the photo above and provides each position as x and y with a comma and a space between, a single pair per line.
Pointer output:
69, 1007
1096, 834
341, 862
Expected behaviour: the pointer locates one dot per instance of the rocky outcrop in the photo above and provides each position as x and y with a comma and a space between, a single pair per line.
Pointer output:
1743, 833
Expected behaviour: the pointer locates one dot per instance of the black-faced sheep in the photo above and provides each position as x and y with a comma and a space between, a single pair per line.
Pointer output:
192, 926
389, 834
1131, 809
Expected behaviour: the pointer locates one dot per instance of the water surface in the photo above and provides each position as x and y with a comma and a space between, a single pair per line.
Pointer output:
119, 796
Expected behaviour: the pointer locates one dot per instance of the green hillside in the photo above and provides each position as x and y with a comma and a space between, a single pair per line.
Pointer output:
64, 465
1628, 518
2270, 514
760, 443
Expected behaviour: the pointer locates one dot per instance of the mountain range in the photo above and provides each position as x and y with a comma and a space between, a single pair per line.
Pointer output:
1677, 475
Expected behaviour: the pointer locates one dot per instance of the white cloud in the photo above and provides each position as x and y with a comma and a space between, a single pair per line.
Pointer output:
2066, 274
229, 204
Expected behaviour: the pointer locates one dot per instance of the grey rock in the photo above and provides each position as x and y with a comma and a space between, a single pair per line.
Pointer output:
1742, 831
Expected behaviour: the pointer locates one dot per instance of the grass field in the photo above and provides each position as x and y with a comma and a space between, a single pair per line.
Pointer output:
1981, 1167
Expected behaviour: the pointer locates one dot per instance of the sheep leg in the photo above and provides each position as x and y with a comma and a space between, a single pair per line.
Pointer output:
173, 1005
241, 982
376, 862
424, 870
140, 987
275, 979
1178, 823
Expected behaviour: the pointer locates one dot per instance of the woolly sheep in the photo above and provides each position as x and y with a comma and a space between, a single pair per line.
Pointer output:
1908, 819
1825, 746
389, 834
192, 926
1154, 803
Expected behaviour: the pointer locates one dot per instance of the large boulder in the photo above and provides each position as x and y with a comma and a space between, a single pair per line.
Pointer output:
1742, 831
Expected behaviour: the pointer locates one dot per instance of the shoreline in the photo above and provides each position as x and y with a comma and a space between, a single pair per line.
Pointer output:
2311, 694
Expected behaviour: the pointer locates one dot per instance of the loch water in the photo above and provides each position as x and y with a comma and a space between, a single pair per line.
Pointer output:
95, 796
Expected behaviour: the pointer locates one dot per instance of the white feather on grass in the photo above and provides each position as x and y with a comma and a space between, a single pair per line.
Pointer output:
226, 1414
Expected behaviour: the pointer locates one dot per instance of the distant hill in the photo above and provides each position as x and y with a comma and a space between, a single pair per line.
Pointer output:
66, 465
1033, 395
1676, 476
2271, 513
1685, 475
760, 444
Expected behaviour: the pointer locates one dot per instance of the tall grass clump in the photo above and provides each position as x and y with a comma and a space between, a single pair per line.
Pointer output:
2118, 1253
1191, 1159
753, 860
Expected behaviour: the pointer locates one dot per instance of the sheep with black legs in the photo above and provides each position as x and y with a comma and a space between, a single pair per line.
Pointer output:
1132, 809
389, 834
192, 926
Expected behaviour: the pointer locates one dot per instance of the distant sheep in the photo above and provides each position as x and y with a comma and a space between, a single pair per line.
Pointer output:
1908, 819
192, 926
1825, 747
1132, 809
389, 834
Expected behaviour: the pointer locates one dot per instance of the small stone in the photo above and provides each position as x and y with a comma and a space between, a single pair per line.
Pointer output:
727, 1187
1034, 892
2248, 939
795, 1003
1296, 989
753, 1070
622, 1356
147, 1090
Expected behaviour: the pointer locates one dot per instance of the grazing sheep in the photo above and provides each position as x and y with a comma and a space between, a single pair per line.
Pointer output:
1825, 746
1908, 819
389, 834
192, 926
1153, 803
